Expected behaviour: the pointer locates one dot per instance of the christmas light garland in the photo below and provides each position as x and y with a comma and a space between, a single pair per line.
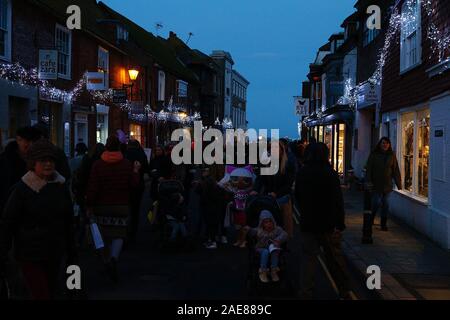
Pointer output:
18, 75
440, 45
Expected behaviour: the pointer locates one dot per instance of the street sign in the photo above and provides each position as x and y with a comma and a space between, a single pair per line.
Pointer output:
48, 64
120, 96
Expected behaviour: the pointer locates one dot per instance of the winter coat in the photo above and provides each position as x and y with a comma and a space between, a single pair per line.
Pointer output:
138, 154
382, 168
280, 183
111, 181
319, 196
12, 169
110, 185
264, 238
38, 219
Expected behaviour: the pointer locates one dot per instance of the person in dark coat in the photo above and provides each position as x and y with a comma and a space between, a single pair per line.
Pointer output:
38, 219
279, 186
112, 180
321, 206
135, 153
160, 168
13, 164
382, 169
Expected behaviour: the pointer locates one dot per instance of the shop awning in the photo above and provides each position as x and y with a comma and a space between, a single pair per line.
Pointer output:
336, 114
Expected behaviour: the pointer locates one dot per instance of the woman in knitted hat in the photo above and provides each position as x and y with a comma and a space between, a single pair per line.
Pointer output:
39, 225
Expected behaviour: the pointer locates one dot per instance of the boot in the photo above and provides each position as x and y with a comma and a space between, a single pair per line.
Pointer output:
274, 274
263, 276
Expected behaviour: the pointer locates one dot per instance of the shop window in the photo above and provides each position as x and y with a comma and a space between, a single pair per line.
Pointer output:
5, 29
102, 128
410, 39
328, 139
415, 152
136, 132
63, 42
341, 149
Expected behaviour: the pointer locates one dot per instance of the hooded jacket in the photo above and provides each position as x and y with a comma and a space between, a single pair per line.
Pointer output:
264, 238
38, 218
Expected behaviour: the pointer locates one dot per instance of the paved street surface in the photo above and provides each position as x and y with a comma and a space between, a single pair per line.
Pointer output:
147, 273
413, 267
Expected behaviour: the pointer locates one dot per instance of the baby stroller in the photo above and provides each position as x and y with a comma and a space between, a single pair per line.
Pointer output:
255, 205
170, 208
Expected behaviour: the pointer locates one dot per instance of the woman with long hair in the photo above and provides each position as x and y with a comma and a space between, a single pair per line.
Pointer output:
279, 186
381, 170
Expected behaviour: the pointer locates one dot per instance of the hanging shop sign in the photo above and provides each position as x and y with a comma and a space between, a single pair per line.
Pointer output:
368, 94
301, 106
120, 95
95, 81
48, 64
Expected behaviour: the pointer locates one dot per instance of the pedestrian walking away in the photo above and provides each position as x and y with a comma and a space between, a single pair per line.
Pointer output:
321, 203
111, 182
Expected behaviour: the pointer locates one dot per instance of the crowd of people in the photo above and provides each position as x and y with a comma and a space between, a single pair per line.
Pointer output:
48, 203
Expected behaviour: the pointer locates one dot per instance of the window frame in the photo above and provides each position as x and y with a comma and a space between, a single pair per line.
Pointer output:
61, 28
101, 69
400, 145
178, 88
161, 85
8, 31
405, 40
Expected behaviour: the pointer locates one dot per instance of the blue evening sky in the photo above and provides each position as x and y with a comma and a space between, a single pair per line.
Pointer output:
272, 43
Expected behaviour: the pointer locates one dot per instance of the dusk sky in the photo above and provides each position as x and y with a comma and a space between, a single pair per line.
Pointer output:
272, 43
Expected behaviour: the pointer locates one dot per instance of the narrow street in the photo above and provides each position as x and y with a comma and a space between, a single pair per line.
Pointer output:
147, 273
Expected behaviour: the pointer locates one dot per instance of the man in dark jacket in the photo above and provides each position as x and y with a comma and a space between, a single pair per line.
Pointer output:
133, 153
321, 206
12, 162
382, 169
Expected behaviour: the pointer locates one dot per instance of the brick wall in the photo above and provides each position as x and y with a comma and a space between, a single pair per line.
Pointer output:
415, 86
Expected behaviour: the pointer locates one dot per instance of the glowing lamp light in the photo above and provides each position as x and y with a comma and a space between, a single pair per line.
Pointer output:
133, 73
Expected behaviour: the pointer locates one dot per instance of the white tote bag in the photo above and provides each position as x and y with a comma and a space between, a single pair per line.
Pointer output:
96, 236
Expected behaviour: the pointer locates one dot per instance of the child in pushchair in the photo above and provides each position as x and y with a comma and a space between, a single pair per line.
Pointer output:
171, 213
266, 239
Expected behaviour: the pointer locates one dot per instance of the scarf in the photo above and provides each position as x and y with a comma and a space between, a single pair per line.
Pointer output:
112, 156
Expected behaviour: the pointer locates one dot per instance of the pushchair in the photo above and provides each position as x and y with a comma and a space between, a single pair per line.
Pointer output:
255, 205
166, 210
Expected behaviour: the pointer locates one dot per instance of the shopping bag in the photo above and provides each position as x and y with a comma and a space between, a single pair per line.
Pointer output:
96, 236
151, 216
5, 293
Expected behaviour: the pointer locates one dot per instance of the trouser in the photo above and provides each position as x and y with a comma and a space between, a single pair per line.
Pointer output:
287, 214
177, 227
135, 207
41, 278
380, 200
212, 223
334, 260
265, 256
113, 249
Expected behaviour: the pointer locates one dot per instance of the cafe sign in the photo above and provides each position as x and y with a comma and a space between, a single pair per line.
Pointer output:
95, 81
48, 64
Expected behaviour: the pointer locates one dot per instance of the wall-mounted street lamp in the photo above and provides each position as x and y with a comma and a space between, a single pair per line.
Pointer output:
133, 74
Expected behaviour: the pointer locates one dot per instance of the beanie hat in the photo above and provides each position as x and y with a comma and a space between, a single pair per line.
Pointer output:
41, 150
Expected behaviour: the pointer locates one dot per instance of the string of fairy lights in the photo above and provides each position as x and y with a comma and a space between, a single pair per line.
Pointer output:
404, 21
16, 74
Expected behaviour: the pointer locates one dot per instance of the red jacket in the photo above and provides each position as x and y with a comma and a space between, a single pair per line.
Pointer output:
111, 181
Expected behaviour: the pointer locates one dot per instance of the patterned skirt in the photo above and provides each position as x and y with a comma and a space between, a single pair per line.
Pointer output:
113, 221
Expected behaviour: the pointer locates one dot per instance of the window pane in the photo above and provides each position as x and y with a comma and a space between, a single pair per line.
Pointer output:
328, 138
423, 152
408, 150
3, 15
341, 149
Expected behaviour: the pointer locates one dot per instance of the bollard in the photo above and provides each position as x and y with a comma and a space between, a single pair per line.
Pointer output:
368, 221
